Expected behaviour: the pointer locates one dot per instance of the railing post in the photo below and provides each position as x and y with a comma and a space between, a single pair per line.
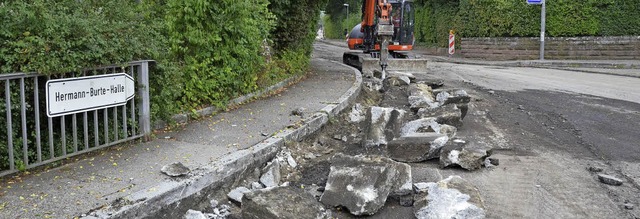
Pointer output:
143, 93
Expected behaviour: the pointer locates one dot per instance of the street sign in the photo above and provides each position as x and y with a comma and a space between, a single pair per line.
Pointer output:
74, 95
534, 2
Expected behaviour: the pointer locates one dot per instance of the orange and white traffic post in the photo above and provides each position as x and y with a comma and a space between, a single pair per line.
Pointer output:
452, 43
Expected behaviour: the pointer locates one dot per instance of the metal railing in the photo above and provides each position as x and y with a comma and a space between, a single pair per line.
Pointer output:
32, 139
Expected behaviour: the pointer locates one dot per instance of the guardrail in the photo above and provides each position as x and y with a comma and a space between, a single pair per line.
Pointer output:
32, 139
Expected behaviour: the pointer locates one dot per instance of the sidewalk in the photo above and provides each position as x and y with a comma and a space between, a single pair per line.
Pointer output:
93, 181
630, 68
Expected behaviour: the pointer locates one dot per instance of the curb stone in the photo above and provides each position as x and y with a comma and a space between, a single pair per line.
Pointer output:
167, 196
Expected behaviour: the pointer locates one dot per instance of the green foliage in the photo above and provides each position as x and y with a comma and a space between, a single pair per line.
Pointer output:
218, 44
507, 18
61, 36
297, 24
335, 30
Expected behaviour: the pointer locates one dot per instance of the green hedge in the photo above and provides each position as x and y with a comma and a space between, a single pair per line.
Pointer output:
207, 52
510, 18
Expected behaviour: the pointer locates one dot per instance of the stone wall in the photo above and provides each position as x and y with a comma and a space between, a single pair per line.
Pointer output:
528, 48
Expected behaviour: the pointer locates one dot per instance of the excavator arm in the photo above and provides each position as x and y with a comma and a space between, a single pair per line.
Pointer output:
385, 33
385, 36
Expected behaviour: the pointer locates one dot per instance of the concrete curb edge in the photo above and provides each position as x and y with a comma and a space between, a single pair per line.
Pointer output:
186, 117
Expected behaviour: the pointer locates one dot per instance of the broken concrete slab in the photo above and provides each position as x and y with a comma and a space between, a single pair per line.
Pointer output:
609, 180
452, 96
175, 169
256, 186
282, 202
362, 184
292, 162
448, 199
408, 75
427, 125
417, 147
421, 96
357, 113
448, 114
271, 174
193, 214
433, 83
468, 155
382, 125
237, 193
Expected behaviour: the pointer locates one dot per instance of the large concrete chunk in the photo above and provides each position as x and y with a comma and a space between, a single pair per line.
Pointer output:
448, 114
237, 193
193, 214
175, 169
357, 114
421, 96
469, 156
417, 147
363, 183
456, 96
281, 203
427, 125
383, 125
271, 174
449, 198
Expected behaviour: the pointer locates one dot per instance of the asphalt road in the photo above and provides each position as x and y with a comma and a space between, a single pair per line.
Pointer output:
548, 126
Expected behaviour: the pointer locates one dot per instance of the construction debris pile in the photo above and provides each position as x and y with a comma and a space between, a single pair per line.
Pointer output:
409, 121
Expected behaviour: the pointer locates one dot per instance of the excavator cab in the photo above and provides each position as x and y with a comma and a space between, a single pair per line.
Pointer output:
402, 17
384, 38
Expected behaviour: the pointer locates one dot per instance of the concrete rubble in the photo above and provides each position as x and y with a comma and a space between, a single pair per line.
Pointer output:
453, 96
362, 184
421, 96
468, 155
609, 180
357, 113
219, 212
175, 169
271, 174
193, 214
382, 125
448, 114
282, 203
450, 198
427, 125
237, 193
417, 148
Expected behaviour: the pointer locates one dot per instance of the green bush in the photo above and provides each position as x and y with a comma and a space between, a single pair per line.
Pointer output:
218, 45
508, 18
335, 30
62, 36
206, 52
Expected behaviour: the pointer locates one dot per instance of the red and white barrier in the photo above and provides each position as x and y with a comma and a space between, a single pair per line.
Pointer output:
452, 43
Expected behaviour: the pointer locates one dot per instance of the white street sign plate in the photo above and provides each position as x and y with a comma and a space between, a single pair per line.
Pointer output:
74, 95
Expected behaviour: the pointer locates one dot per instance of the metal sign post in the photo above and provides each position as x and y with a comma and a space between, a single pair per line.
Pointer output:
543, 16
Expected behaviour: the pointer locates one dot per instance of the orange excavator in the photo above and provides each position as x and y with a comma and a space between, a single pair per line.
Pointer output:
384, 37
